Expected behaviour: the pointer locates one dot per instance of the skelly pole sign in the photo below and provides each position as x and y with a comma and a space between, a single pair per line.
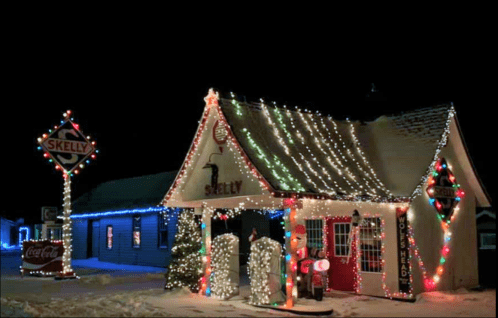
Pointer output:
70, 150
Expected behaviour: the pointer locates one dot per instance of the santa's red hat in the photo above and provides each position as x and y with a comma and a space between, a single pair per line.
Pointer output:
300, 229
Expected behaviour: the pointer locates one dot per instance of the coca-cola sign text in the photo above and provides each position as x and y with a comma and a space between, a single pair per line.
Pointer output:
43, 256
45, 252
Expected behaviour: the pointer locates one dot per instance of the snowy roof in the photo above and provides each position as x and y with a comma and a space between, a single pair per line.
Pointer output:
131, 193
308, 153
401, 148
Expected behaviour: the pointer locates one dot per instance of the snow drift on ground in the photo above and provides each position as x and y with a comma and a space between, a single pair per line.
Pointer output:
156, 302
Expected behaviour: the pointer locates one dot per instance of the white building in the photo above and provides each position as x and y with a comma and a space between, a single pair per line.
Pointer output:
409, 176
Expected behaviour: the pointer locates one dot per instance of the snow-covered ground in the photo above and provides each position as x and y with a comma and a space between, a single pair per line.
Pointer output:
118, 290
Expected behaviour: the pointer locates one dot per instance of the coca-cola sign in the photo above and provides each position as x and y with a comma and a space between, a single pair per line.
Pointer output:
42, 256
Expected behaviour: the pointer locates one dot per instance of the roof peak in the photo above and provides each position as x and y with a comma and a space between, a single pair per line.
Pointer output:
256, 105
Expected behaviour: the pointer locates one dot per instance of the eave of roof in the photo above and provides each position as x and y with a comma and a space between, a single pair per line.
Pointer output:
303, 154
125, 194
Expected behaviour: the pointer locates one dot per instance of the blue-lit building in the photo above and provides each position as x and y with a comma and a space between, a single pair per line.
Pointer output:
8, 233
122, 221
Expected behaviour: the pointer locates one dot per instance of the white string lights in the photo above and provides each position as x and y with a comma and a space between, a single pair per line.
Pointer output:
67, 235
81, 150
333, 153
185, 267
441, 144
224, 249
316, 160
263, 268
246, 168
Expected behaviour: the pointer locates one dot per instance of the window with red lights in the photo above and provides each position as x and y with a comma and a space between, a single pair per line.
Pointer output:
371, 245
137, 231
109, 237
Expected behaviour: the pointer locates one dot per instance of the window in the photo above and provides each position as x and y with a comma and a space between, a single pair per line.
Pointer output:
314, 233
370, 245
163, 230
137, 230
488, 241
55, 234
109, 237
341, 239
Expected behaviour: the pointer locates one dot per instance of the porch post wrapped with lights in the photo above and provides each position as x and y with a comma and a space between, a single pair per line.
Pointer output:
206, 251
290, 208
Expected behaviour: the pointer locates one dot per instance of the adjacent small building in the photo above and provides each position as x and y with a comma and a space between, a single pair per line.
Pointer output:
486, 239
9, 231
14, 232
122, 221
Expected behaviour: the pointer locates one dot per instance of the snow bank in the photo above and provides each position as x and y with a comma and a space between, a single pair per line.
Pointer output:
103, 279
121, 297
120, 304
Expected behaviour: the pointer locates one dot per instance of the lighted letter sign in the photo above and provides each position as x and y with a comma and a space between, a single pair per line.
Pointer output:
403, 256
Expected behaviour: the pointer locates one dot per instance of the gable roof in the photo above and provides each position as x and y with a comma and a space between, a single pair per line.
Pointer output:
304, 154
402, 147
488, 213
130, 193
311, 154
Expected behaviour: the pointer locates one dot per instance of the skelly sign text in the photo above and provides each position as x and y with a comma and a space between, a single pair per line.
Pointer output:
226, 188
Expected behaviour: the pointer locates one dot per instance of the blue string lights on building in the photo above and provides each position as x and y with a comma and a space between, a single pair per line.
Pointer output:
275, 214
27, 237
125, 212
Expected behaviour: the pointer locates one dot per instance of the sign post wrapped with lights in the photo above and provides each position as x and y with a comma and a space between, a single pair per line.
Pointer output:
69, 150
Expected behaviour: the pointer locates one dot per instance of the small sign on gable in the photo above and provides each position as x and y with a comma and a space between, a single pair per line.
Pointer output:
443, 190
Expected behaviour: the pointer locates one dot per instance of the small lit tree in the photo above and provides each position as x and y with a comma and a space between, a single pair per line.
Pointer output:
185, 267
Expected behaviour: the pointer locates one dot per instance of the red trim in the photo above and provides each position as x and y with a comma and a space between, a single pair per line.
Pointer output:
192, 150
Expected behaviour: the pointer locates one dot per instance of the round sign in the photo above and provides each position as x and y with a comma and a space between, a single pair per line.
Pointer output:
220, 132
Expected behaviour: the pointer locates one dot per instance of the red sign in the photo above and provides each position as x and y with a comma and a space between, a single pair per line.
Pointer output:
42, 256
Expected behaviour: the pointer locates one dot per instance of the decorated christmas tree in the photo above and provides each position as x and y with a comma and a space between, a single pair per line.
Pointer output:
185, 267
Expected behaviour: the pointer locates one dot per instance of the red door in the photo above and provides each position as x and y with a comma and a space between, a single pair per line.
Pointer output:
342, 270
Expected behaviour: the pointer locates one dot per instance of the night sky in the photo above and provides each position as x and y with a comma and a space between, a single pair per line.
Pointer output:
142, 107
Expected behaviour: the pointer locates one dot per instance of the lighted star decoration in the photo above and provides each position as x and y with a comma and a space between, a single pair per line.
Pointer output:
212, 98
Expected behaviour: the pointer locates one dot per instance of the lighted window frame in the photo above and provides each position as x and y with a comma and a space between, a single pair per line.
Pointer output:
136, 239
314, 234
109, 237
341, 239
371, 245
